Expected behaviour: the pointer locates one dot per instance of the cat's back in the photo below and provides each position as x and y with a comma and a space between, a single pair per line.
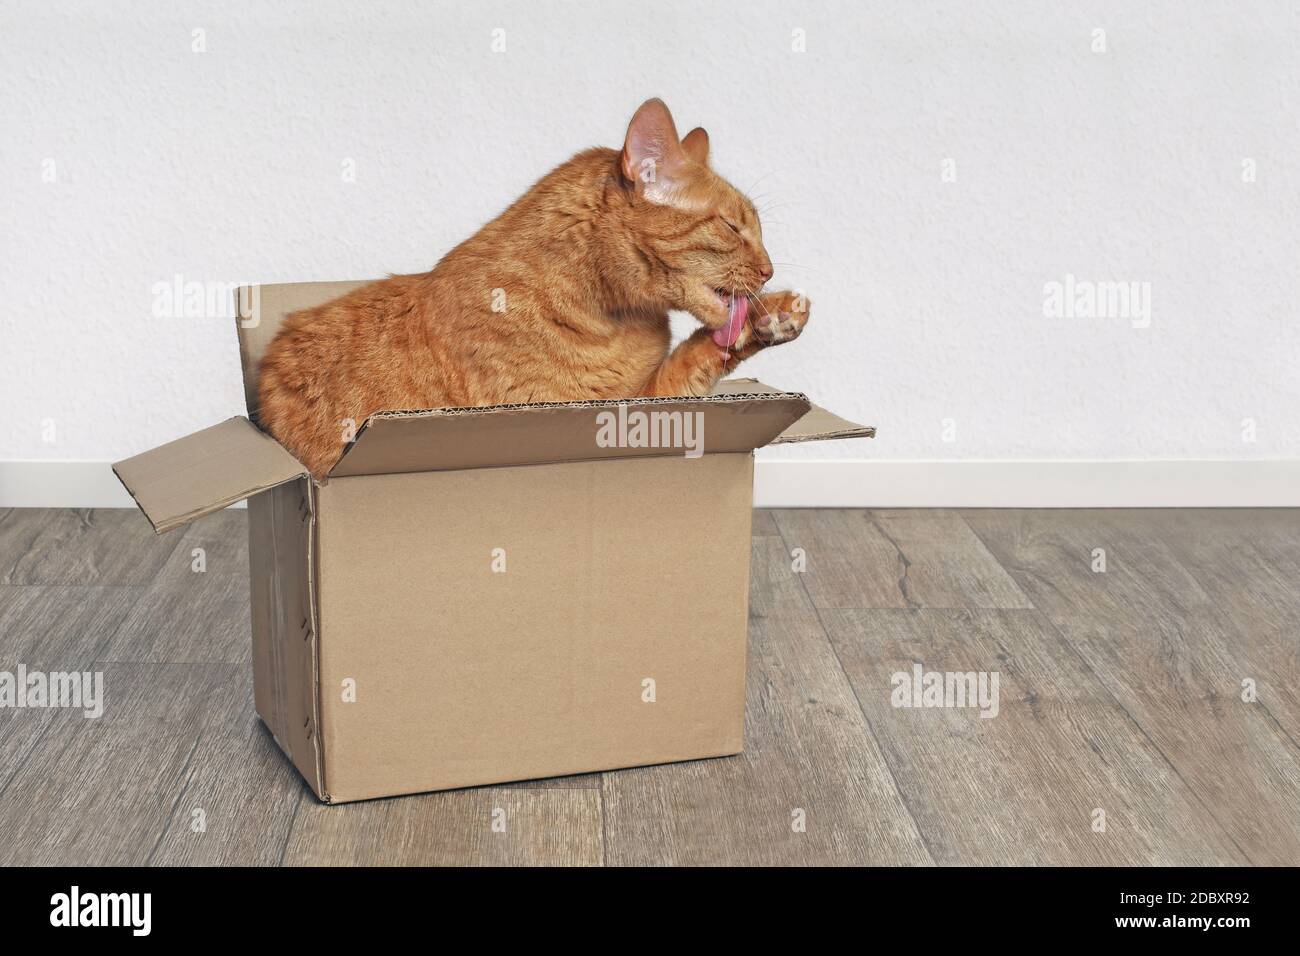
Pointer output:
334, 361
339, 333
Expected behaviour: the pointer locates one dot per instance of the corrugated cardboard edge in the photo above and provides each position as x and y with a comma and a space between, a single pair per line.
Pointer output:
483, 411
827, 434
765, 394
817, 423
759, 396
167, 526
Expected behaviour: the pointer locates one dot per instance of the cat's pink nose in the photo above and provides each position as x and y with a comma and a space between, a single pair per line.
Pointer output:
765, 270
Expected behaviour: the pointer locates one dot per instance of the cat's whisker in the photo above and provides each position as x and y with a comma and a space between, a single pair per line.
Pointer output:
758, 301
770, 172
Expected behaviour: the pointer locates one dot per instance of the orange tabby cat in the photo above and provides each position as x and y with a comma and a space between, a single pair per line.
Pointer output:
563, 297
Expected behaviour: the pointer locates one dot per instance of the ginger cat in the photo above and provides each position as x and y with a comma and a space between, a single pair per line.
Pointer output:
563, 297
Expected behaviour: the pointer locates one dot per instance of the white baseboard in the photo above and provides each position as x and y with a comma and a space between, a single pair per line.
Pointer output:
61, 484
852, 484
1182, 483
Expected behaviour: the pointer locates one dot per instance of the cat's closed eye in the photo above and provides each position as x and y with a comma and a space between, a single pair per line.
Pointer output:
730, 225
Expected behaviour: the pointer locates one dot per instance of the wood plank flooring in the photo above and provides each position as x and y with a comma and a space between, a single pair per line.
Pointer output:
1148, 706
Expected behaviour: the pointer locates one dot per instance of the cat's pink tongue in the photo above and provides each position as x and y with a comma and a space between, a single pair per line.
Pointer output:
737, 311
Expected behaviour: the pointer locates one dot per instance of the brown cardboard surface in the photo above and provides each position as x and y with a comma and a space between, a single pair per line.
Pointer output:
616, 571
281, 546
817, 425
204, 472
259, 310
499, 435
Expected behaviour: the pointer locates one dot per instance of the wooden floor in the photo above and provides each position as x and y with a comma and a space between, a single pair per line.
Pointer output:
1120, 693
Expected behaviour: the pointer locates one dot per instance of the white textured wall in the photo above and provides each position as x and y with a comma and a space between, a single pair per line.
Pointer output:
226, 165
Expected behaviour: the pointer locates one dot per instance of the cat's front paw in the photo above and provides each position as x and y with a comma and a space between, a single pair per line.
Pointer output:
778, 317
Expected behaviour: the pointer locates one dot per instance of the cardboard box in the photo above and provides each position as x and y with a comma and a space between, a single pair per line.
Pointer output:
478, 595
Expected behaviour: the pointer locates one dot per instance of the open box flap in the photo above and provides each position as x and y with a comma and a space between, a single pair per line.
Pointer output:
259, 311
817, 425
204, 472
447, 439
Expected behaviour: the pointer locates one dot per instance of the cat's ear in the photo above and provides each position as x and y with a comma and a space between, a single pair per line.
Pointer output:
653, 159
696, 145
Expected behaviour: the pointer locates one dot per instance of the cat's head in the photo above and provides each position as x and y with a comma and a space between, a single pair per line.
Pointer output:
705, 240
